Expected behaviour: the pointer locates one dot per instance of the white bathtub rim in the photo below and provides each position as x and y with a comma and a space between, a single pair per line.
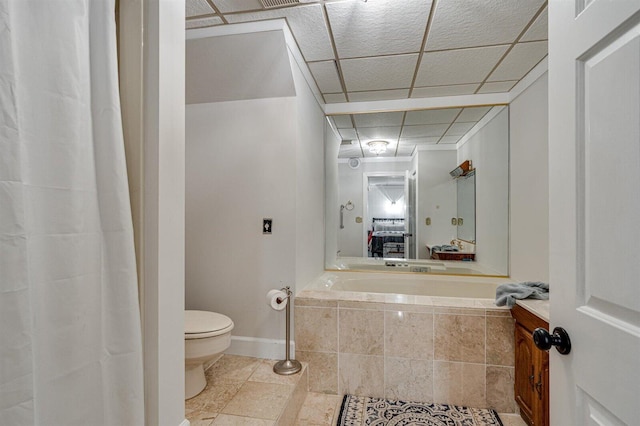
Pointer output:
320, 288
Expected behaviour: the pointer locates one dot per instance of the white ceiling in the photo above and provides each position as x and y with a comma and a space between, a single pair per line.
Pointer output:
374, 50
405, 131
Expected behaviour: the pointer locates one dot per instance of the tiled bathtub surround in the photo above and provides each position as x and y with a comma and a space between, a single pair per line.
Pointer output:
447, 350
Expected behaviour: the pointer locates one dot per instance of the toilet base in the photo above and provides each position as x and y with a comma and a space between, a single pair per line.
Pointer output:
194, 380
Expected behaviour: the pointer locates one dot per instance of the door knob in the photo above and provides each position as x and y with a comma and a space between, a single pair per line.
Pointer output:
559, 339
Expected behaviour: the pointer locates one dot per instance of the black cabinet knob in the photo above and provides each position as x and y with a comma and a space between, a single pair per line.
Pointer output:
560, 339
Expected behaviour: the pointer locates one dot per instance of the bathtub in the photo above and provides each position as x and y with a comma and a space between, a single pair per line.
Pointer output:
417, 337
383, 287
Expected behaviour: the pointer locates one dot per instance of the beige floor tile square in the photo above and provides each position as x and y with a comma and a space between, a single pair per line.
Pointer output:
511, 420
264, 374
233, 368
213, 398
202, 422
319, 409
200, 416
259, 400
227, 420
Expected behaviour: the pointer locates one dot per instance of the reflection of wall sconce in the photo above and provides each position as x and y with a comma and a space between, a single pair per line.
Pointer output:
461, 170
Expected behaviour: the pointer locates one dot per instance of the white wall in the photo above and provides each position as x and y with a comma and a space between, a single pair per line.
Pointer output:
331, 147
351, 238
241, 168
529, 190
248, 160
488, 149
255, 65
309, 207
436, 197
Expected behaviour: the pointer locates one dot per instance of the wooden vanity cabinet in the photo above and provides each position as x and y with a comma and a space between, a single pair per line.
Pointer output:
532, 369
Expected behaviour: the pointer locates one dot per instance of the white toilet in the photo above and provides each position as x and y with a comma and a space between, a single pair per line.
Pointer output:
206, 334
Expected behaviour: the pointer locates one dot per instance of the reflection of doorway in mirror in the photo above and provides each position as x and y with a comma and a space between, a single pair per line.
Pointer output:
386, 215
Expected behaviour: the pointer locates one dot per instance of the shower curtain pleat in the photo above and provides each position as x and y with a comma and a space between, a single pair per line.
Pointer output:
70, 339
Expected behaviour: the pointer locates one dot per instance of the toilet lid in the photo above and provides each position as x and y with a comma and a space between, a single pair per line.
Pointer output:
206, 324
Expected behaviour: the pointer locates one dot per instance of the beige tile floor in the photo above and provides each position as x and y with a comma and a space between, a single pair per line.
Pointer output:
244, 391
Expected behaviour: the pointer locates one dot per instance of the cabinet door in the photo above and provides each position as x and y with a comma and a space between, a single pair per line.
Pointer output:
525, 373
541, 412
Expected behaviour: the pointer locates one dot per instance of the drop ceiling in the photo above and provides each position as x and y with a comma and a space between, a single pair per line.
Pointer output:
400, 49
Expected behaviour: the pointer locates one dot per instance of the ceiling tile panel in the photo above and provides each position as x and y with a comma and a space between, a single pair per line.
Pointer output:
378, 95
449, 139
348, 151
426, 130
405, 151
198, 7
497, 86
381, 27
431, 140
522, 58
539, 29
459, 129
472, 114
379, 119
226, 6
204, 22
385, 72
342, 121
306, 23
332, 98
458, 66
464, 23
435, 91
435, 116
326, 75
349, 134
370, 133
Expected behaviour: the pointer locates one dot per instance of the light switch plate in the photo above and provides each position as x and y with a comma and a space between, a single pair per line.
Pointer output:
267, 226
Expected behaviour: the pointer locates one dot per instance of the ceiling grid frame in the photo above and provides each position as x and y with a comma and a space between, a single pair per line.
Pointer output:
398, 96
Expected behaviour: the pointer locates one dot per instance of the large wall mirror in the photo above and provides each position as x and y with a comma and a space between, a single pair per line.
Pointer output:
422, 191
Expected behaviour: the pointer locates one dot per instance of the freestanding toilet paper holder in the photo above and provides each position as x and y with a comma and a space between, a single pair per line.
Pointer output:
287, 366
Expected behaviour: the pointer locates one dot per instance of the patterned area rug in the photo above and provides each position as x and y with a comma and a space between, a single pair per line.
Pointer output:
359, 410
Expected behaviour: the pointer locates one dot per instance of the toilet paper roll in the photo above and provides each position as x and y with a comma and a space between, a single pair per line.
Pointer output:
272, 299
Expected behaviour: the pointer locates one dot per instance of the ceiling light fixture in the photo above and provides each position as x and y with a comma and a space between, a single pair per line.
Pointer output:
377, 147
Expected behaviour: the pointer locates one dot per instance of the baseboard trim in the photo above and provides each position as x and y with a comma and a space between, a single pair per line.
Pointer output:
185, 422
258, 347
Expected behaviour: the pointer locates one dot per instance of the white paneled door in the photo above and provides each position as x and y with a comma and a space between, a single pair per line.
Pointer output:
594, 177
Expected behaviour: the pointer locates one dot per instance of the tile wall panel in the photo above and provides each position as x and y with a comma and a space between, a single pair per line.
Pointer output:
448, 354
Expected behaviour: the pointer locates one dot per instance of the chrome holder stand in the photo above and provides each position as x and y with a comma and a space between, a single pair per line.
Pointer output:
287, 366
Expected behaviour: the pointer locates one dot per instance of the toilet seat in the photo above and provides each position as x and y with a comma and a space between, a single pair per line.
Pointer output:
201, 324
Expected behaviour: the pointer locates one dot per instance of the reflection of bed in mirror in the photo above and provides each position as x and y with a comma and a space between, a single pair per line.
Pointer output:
386, 238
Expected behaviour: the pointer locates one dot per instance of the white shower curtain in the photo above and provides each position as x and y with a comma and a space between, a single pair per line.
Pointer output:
70, 341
